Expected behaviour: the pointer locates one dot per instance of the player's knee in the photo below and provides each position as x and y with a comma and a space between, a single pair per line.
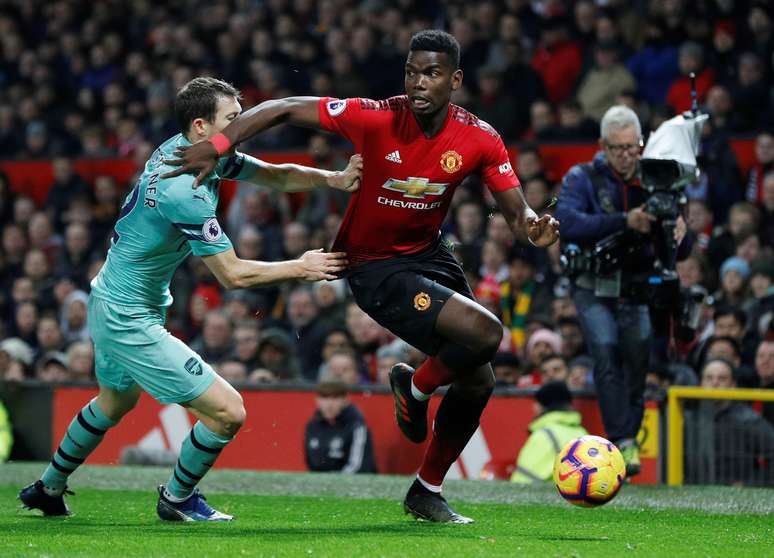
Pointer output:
232, 416
232, 420
490, 336
483, 380
478, 385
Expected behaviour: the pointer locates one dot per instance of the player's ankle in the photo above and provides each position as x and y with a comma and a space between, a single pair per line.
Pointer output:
52, 491
434, 488
418, 394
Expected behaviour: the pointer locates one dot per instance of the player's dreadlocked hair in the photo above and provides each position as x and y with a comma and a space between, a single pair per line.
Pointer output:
435, 40
199, 99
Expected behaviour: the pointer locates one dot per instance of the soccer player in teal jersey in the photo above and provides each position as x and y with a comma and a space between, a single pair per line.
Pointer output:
161, 223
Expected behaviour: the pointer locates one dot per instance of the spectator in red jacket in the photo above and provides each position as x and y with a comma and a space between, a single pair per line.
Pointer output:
557, 59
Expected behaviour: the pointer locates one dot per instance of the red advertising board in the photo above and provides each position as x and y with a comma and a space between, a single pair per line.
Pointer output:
272, 437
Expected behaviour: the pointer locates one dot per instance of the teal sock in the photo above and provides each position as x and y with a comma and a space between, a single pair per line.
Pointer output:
199, 452
83, 435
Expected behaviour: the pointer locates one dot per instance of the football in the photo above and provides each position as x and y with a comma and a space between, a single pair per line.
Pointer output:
589, 471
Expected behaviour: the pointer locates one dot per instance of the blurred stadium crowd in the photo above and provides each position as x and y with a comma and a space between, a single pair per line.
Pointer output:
97, 79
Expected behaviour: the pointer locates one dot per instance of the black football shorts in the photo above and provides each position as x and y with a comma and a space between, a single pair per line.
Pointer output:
405, 294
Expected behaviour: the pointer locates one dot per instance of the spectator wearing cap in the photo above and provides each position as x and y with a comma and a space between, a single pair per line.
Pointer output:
507, 369
555, 424
336, 438
52, 368
275, 353
541, 344
15, 358
607, 79
733, 279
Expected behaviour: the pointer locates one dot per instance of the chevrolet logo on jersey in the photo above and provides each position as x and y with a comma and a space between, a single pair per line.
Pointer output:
415, 187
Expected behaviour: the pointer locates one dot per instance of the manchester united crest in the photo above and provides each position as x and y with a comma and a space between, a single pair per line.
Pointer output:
451, 161
422, 301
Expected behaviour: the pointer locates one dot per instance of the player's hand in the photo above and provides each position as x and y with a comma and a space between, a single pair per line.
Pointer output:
199, 158
542, 232
317, 265
639, 220
681, 228
348, 179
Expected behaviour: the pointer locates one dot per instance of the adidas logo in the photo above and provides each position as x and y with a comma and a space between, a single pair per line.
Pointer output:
394, 157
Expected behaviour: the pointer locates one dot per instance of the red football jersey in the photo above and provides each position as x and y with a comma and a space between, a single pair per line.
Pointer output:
408, 179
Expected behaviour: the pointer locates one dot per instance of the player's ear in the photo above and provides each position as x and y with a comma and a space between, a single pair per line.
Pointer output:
456, 79
199, 127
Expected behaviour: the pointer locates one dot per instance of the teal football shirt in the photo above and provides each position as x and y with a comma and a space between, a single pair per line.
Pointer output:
161, 222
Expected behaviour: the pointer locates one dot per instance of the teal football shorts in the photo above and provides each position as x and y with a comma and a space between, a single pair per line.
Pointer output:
132, 346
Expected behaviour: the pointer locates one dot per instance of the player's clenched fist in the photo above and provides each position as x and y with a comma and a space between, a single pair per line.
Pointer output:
348, 179
317, 265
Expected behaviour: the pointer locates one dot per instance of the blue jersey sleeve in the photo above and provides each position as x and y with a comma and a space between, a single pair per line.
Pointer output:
193, 214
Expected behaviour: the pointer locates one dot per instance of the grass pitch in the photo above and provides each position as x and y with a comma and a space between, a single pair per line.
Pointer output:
285, 514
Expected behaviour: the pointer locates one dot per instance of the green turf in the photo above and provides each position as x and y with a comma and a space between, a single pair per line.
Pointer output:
329, 515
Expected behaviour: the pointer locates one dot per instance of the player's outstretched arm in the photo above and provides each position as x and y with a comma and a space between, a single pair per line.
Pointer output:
235, 273
298, 178
200, 158
524, 222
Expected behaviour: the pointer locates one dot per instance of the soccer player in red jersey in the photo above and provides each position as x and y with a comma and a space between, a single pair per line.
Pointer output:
417, 148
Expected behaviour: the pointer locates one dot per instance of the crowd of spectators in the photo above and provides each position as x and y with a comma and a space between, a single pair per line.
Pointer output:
96, 79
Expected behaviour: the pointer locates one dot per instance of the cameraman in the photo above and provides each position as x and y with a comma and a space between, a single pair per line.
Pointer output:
598, 199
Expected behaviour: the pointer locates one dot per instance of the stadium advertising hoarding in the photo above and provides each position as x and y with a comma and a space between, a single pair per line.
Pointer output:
272, 437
